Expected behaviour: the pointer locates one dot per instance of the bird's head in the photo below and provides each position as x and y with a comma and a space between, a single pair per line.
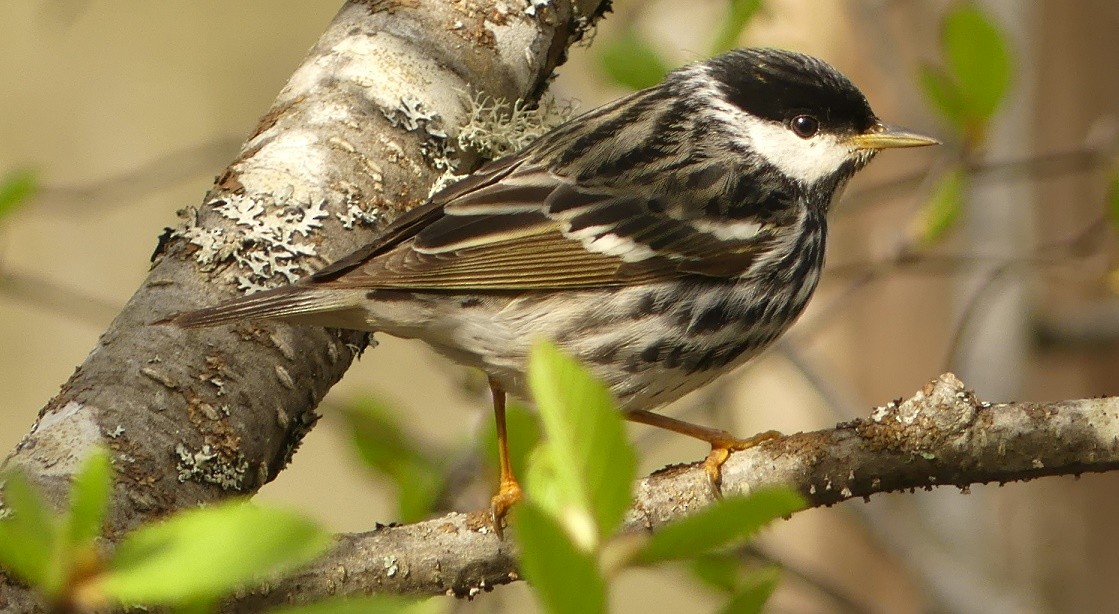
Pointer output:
798, 116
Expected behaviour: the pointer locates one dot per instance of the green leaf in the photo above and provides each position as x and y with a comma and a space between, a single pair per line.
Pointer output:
593, 461
739, 13
377, 434
16, 187
978, 57
418, 489
632, 62
28, 535
566, 579
943, 209
723, 523
374, 604
388, 450
523, 429
755, 592
543, 485
944, 95
89, 500
719, 571
205, 553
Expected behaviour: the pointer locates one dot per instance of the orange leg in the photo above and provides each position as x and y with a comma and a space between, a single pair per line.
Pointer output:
509, 490
722, 442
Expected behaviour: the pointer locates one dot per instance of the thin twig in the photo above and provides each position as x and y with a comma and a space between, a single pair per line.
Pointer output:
41, 293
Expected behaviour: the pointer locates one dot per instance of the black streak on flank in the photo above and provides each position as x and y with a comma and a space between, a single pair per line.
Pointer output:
606, 354
721, 355
674, 355
652, 353
650, 304
712, 319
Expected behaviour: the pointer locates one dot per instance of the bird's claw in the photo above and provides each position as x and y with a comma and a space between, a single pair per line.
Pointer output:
508, 495
720, 453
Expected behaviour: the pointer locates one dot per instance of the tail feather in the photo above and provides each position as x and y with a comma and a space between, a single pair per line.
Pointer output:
279, 303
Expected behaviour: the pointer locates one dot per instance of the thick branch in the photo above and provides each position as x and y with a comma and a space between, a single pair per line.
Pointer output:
941, 436
353, 139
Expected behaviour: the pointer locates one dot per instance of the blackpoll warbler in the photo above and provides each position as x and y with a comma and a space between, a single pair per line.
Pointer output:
662, 240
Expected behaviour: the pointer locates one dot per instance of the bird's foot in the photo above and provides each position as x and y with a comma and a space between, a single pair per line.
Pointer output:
508, 495
721, 448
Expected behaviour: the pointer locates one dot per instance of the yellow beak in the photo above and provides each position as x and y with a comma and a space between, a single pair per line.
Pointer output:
882, 136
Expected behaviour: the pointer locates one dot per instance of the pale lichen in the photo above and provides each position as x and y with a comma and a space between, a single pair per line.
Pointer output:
270, 243
436, 147
354, 214
535, 5
355, 208
497, 127
207, 466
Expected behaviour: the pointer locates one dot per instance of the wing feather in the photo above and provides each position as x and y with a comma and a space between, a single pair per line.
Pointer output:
514, 225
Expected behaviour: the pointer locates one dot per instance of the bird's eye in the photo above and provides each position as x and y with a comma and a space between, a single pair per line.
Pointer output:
805, 126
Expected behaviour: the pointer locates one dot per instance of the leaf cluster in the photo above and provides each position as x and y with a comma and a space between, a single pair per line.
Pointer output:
580, 485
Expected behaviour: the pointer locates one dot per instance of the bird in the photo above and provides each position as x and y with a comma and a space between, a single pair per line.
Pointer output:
662, 240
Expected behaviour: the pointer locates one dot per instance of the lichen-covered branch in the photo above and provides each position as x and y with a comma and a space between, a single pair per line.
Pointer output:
359, 133
941, 436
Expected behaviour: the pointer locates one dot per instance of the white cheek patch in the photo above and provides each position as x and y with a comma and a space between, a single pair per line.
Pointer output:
807, 160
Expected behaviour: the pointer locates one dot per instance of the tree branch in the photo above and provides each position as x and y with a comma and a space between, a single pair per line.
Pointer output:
941, 436
197, 416
353, 139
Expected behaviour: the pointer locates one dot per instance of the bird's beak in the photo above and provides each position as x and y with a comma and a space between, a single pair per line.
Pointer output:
882, 136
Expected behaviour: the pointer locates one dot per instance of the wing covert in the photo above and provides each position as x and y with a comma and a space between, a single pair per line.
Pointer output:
520, 227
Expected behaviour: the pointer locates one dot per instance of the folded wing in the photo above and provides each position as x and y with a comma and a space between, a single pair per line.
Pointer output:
515, 226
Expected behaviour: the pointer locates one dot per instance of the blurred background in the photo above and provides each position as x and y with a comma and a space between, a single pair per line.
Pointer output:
992, 256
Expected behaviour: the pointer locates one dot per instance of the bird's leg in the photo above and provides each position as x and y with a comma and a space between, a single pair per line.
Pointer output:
509, 490
722, 442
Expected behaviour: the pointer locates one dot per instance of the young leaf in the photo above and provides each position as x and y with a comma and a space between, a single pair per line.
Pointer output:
719, 571
755, 592
593, 460
28, 534
566, 579
205, 553
944, 95
978, 58
632, 62
89, 499
545, 489
387, 449
941, 212
723, 523
16, 187
740, 14
418, 489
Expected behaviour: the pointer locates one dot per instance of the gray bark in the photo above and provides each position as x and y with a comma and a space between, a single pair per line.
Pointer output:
197, 416
193, 417
941, 436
